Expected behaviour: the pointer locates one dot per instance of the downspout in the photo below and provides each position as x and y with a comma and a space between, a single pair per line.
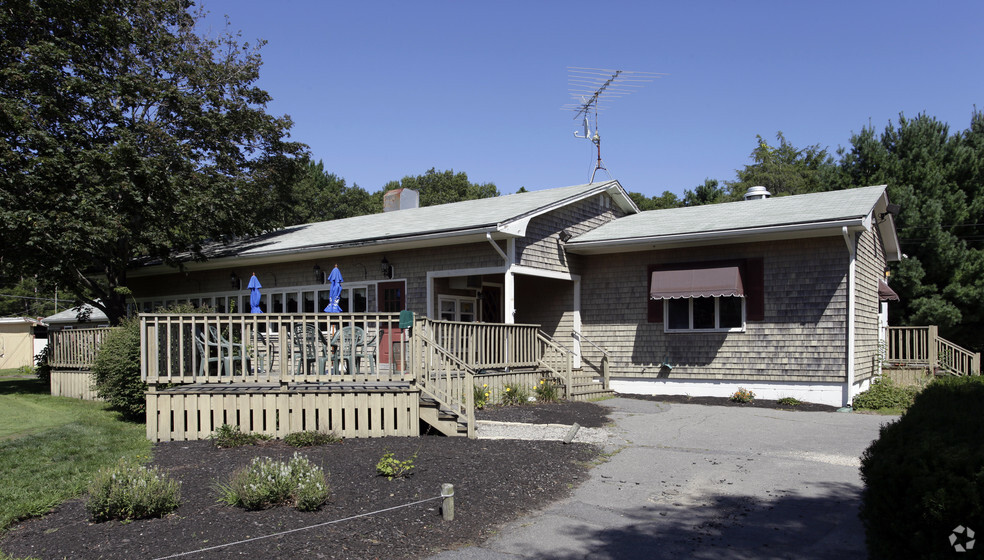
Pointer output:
851, 271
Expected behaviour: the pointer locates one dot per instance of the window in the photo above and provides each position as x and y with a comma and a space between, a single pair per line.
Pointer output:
726, 313
454, 308
706, 295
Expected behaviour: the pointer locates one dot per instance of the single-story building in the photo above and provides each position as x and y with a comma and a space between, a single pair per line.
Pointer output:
16, 342
778, 295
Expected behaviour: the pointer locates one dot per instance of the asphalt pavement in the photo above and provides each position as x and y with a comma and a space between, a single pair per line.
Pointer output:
692, 481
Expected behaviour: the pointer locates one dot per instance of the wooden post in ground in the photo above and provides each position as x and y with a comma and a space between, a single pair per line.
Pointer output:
447, 506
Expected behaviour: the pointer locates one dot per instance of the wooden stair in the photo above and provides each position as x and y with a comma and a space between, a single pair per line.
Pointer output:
586, 387
441, 419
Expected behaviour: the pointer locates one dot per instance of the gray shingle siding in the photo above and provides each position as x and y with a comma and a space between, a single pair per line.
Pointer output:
868, 271
541, 248
801, 339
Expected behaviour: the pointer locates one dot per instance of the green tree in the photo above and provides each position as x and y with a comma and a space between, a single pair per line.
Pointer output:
25, 297
785, 169
320, 196
665, 200
441, 187
937, 178
126, 134
708, 193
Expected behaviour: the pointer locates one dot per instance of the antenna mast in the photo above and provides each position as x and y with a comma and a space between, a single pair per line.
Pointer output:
589, 87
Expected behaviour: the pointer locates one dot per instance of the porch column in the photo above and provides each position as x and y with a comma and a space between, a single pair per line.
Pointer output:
509, 290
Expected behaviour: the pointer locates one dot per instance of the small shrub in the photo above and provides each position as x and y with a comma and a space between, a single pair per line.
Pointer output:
130, 491
743, 395
42, 369
924, 475
514, 394
309, 438
883, 393
391, 467
25, 370
116, 370
268, 483
227, 436
546, 391
790, 401
481, 395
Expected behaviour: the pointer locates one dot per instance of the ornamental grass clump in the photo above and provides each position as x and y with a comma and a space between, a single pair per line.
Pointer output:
545, 391
130, 491
227, 436
514, 394
481, 395
309, 438
267, 483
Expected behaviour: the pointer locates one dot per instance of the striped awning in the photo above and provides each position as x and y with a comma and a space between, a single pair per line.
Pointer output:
696, 282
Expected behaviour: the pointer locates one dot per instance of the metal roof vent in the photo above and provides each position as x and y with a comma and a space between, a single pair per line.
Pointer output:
757, 193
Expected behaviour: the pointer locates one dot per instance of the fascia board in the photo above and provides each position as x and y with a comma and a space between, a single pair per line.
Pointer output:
749, 235
459, 237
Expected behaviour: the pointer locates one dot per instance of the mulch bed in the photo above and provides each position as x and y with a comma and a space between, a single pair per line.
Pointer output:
495, 481
724, 401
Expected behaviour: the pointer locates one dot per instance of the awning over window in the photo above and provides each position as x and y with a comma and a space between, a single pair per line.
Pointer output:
886, 293
697, 282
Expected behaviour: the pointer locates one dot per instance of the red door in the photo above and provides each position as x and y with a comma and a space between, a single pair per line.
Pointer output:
391, 298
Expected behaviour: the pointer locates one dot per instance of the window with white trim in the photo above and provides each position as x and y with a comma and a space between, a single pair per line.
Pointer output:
708, 314
456, 308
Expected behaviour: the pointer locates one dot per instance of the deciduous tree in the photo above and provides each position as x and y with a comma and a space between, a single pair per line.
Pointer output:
124, 134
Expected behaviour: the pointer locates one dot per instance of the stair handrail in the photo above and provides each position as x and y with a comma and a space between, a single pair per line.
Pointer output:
567, 356
606, 373
459, 393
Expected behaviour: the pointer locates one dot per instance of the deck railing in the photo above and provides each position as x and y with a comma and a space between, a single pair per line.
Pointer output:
923, 347
485, 345
271, 348
76, 348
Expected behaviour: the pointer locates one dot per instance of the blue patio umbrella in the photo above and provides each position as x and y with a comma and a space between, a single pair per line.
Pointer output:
335, 291
254, 294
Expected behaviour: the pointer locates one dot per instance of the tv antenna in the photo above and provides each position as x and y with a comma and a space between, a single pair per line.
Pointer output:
590, 87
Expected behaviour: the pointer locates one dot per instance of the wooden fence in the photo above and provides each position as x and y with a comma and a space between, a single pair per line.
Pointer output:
76, 348
485, 345
72, 355
923, 347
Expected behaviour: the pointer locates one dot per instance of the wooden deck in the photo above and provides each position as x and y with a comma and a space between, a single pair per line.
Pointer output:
355, 375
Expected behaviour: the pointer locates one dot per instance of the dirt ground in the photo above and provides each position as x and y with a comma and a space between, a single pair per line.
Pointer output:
495, 481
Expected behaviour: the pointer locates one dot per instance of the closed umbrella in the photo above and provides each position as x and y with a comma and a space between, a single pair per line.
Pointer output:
334, 291
254, 294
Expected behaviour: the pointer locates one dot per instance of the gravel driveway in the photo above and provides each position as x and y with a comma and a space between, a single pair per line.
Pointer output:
690, 481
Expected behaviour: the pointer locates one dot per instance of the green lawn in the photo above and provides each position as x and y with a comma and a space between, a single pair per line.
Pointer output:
51, 446
14, 372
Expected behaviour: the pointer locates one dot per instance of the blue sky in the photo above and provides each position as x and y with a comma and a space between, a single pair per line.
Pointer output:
380, 90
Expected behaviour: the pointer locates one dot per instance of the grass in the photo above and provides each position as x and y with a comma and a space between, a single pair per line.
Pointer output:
14, 373
55, 445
